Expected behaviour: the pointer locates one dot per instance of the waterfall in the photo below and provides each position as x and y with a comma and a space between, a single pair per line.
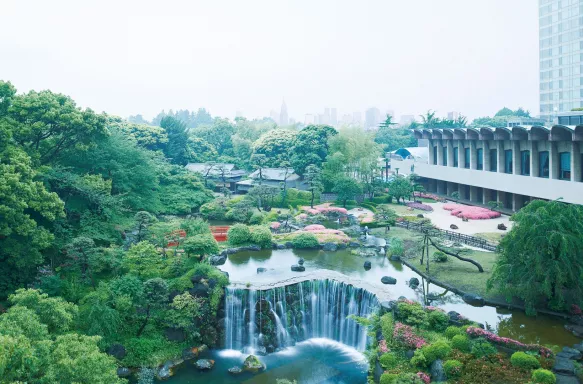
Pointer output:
280, 317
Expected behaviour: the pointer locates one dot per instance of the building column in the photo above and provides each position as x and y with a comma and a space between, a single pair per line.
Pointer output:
473, 155
554, 162
441, 187
450, 153
487, 196
430, 143
500, 153
474, 194
517, 202
534, 163
516, 157
486, 154
439, 152
502, 199
461, 154
575, 161
450, 187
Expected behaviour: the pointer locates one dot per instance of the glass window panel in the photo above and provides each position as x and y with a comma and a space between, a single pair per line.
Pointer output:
565, 166
493, 160
480, 159
543, 164
508, 161
466, 158
525, 163
455, 157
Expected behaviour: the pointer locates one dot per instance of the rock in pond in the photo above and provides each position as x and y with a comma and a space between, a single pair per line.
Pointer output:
218, 259
353, 244
165, 371
189, 353
395, 258
475, 300
252, 364
388, 280
570, 353
123, 372
367, 265
301, 261
437, 371
413, 282
329, 247
261, 270
235, 370
576, 330
578, 347
298, 268
204, 364
117, 350
280, 246
564, 366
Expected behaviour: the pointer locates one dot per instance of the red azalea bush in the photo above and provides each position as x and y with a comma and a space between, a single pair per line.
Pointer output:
509, 343
405, 335
471, 212
325, 209
314, 227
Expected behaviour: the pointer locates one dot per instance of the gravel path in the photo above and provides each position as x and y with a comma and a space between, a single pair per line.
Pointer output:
443, 219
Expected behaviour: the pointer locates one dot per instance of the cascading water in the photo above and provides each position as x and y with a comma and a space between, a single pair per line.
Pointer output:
279, 317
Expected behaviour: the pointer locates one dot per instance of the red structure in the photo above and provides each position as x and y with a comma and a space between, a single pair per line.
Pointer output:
174, 237
220, 233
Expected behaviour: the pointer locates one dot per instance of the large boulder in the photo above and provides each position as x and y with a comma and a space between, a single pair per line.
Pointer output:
564, 379
175, 334
117, 350
367, 265
329, 247
576, 330
413, 282
388, 306
395, 258
301, 261
217, 259
280, 246
235, 370
475, 300
204, 364
189, 353
388, 280
564, 366
166, 370
437, 371
578, 347
453, 226
252, 364
261, 270
123, 372
570, 353
298, 268
502, 227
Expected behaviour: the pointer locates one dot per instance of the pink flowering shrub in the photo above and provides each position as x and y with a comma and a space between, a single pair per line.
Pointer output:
470, 212
509, 343
325, 209
383, 346
427, 196
424, 377
275, 225
420, 206
302, 216
405, 335
314, 227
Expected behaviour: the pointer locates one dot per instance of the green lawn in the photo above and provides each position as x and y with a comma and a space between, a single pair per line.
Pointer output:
493, 237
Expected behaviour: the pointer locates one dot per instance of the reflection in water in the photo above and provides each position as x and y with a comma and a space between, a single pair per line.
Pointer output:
242, 267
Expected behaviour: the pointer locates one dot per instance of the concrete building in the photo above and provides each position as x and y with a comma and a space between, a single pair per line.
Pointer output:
372, 119
560, 56
509, 165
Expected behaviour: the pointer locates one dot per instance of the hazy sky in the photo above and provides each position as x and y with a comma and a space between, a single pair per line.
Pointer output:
128, 57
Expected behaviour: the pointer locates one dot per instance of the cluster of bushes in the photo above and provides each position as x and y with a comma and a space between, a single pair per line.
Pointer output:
466, 358
241, 234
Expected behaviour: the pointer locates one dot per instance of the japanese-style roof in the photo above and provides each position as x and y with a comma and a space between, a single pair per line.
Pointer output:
275, 174
216, 169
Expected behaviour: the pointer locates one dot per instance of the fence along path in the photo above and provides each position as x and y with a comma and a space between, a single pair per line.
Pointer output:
450, 235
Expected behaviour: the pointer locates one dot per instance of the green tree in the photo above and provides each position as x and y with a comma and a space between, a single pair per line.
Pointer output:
262, 195
177, 149
82, 254
58, 315
311, 147
347, 188
313, 178
200, 245
155, 295
400, 187
143, 259
276, 145
143, 221
259, 162
539, 257
429, 119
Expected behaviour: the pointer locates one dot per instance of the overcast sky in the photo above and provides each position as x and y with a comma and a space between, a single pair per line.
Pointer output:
129, 57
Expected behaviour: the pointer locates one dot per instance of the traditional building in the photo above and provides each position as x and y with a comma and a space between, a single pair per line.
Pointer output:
273, 177
512, 165
222, 175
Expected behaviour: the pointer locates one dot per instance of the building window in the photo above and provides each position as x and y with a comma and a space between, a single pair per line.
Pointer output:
445, 156
480, 159
466, 158
455, 157
525, 163
508, 161
543, 164
493, 160
565, 166
434, 155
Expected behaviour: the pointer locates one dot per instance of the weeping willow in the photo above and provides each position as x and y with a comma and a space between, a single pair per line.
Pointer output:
542, 256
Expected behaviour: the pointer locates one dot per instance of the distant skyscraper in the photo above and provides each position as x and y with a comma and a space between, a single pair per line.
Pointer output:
357, 118
372, 118
453, 115
274, 116
283, 118
334, 117
309, 119
406, 119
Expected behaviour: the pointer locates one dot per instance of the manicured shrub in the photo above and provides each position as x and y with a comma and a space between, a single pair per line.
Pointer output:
396, 246
418, 359
438, 320
461, 343
471, 212
481, 348
388, 360
420, 206
388, 378
239, 234
453, 368
543, 376
452, 331
196, 226
256, 218
214, 210
200, 245
261, 236
435, 351
439, 257
387, 325
412, 313
305, 241
524, 361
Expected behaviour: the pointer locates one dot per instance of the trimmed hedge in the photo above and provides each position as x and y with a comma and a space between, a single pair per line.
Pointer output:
461, 343
524, 361
305, 241
453, 368
239, 234
543, 376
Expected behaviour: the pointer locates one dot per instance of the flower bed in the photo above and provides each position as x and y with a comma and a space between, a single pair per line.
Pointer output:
314, 227
325, 209
420, 206
471, 212
429, 196
405, 335
509, 343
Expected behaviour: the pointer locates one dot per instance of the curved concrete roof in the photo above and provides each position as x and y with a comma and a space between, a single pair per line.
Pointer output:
576, 130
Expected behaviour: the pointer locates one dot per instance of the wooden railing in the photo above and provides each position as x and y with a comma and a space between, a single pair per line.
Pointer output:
220, 233
450, 235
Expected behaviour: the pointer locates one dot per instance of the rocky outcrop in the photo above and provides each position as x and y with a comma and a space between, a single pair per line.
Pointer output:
230, 251
204, 364
298, 268
475, 300
331, 247
388, 280
252, 364
576, 330
123, 372
189, 353
167, 370
437, 371
235, 370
